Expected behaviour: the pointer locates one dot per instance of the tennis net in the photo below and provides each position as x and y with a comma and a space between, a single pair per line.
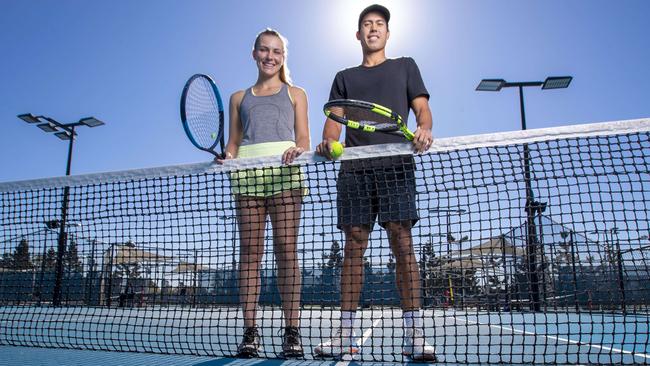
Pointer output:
531, 247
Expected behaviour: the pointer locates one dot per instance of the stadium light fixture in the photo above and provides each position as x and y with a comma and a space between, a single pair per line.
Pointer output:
29, 118
91, 122
64, 135
64, 131
557, 82
490, 85
47, 127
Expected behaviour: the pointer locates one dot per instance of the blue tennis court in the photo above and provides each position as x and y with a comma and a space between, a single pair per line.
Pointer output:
459, 336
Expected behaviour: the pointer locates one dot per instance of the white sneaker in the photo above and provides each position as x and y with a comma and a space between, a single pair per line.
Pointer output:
416, 347
342, 342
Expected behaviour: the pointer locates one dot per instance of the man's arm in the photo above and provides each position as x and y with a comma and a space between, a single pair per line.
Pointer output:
423, 139
331, 132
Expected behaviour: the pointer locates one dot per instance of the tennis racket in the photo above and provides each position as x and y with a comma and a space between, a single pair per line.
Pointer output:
202, 114
368, 117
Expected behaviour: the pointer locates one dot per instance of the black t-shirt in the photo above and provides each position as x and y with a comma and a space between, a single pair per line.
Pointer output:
393, 84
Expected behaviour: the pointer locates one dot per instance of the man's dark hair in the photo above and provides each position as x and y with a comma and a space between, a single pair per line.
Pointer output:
377, 9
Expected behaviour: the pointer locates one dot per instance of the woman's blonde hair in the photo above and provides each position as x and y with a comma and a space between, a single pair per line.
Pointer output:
285, 74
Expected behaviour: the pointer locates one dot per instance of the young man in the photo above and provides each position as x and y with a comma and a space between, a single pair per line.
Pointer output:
381, 189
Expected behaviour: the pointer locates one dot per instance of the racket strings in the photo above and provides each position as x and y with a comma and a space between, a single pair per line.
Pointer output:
365, 116
202, 113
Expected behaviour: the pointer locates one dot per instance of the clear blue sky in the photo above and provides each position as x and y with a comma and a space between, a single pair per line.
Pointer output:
125, 62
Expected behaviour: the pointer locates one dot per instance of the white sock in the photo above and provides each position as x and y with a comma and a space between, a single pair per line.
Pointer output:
413, 319
347, 319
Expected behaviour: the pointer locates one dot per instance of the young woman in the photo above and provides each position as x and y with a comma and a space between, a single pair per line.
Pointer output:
269, 118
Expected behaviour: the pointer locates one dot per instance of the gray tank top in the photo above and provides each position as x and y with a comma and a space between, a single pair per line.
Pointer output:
267, 118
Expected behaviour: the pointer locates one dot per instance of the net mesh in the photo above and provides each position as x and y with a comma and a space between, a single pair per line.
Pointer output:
531, 247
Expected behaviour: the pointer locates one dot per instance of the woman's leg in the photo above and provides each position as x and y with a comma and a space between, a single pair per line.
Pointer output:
251, 215
284, 210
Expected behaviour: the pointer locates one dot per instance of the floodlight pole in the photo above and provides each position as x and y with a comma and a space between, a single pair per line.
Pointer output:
531, 206
63, 236
619, 260
531, 232
67, 134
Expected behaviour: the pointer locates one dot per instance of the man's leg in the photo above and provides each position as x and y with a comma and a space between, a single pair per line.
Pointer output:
356, 212
406, 266
409, 287
343, 340
356, 242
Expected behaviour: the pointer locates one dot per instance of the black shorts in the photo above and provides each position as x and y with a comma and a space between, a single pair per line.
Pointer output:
384, 193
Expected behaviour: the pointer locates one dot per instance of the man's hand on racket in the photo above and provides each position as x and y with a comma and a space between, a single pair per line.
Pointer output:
422, 140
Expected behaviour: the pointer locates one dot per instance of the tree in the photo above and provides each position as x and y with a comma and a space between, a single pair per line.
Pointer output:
7, 261
50, 260
332, 265
21, 257
128, 270
333, 259
591, 260
71, 259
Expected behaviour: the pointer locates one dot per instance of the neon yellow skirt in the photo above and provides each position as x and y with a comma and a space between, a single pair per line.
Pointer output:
266, 182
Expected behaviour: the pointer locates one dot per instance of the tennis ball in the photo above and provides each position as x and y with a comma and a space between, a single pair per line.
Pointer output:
213, 136
336, 149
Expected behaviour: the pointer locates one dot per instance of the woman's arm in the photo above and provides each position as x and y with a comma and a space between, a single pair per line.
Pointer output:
301, 127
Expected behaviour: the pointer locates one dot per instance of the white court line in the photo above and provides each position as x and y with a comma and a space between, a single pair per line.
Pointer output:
361, 341
367, 333
567, 340
246, 362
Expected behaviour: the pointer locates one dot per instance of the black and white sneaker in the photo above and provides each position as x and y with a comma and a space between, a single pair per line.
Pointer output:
250, 346
291, 345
